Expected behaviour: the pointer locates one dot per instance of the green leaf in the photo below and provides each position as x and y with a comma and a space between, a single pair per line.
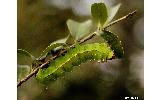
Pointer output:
70, 40
112, 12
113, 41
22, 71
49, 48
79, 30
75, 57
58, 44
26, 53
63, 40
99, 13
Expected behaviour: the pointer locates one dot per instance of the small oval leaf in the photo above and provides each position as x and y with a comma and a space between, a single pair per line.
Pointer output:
112, 12
26, 53
49, 48
22, 71
99, 13
79, 30
63, 40
54, 45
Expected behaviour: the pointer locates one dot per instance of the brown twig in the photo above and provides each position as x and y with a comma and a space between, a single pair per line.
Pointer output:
54, 57
120, 19
81, 41
31, 74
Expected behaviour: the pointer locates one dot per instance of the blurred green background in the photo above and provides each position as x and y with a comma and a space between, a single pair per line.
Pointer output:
41, 22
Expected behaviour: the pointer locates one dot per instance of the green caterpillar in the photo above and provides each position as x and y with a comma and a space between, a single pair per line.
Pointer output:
113, 41
74, 57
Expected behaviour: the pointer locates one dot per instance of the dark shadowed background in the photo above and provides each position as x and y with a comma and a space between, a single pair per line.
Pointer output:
41, 22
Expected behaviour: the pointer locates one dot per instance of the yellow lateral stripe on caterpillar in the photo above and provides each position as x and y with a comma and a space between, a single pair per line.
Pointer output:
74, 57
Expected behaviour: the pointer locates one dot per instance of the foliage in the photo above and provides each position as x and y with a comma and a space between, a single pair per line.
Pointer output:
22, 71
112, 12
69, 56
99, 13
79, 30
25, 53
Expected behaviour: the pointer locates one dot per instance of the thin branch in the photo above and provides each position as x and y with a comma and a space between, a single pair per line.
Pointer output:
53, 58
63, 51
88, 37
120, 19
31, 74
